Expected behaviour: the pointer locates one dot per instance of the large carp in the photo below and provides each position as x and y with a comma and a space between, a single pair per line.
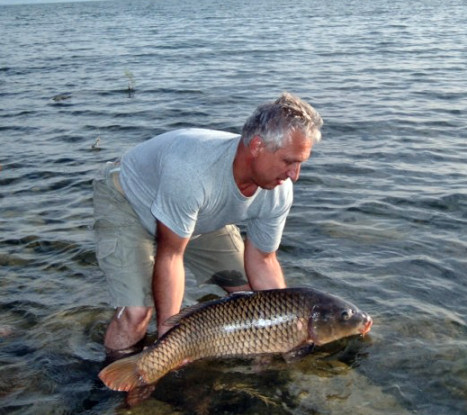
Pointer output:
242, 324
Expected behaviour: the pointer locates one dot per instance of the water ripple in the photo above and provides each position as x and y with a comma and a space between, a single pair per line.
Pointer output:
379, 214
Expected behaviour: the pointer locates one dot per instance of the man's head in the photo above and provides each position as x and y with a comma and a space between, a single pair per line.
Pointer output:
275, 121
279, 136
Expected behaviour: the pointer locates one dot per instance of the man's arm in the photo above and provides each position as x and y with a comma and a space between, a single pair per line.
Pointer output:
263, 269
168, 280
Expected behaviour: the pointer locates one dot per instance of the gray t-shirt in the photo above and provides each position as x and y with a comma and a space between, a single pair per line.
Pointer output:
184, 178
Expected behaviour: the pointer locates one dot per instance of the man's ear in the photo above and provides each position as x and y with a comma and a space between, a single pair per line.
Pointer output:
256, 145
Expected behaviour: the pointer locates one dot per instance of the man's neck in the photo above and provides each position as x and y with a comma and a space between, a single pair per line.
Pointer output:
242, 170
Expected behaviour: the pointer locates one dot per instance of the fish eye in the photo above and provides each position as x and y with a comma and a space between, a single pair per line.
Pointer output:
347, 314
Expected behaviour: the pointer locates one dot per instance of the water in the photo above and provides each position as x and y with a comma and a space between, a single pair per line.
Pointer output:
379, 216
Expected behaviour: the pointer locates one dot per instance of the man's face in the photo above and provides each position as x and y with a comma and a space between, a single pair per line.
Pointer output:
272, 168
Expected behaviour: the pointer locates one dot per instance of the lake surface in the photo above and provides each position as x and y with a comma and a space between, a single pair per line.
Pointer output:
380, 213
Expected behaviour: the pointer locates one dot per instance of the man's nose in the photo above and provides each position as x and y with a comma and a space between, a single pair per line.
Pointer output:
294, 172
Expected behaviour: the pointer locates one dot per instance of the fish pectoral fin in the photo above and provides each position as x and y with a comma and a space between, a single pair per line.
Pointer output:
298, 352
261, 362
139, 394
122, 375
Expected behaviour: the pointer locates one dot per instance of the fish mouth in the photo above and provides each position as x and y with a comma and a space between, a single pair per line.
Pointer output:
367, 326
313, 338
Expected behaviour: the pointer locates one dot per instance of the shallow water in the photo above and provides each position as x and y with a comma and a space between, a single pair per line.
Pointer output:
379, 215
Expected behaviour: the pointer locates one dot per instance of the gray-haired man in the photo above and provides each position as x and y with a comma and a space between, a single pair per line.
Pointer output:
174, 200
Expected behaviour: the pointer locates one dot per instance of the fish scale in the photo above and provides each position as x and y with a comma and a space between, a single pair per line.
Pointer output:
243, 324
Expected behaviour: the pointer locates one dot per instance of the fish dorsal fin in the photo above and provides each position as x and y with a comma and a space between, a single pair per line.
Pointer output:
240, 293
176, 318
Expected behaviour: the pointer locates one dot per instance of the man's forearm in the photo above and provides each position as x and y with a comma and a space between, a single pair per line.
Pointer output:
168, 284
168, 280
263, 270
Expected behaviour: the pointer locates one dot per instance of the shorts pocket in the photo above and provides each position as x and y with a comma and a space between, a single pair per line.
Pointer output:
105, 247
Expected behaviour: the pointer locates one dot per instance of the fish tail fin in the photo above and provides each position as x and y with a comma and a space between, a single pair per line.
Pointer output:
122, 375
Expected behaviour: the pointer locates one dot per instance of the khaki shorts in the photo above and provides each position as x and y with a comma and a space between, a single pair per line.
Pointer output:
125, 249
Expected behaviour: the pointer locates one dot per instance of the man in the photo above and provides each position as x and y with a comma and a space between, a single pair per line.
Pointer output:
174, 200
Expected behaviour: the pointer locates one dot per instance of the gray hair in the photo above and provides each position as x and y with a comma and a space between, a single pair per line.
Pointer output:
275, 121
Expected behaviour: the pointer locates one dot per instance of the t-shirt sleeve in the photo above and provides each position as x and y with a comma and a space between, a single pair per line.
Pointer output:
265, 231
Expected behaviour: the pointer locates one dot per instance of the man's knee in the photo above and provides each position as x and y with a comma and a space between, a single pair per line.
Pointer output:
136, 315
136, 318
126, 329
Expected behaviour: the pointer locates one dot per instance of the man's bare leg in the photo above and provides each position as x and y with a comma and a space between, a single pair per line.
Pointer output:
127, 327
